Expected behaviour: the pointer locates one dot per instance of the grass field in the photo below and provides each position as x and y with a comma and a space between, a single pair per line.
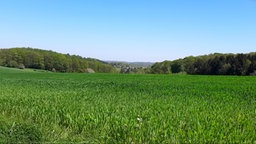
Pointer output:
111, 108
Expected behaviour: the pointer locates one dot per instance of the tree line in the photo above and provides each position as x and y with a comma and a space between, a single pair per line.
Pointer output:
213, 64
51, 61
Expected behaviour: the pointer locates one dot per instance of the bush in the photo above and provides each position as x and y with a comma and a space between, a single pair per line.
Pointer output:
253, 73
21, 66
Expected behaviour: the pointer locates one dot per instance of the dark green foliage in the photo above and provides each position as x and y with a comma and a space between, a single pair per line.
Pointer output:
49, 60
161, 68
213, 64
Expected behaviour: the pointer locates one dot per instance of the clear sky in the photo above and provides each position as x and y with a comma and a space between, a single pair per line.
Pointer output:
130, 30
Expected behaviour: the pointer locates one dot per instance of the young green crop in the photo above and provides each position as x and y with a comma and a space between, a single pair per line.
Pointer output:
112, 108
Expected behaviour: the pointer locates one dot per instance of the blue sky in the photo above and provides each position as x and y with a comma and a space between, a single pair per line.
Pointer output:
130, 30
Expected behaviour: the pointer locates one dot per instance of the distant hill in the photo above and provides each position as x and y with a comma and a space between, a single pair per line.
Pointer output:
141, 64
130, 64
51, 61
213, 64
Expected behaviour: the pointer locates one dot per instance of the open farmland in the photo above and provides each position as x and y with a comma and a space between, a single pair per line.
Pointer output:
114, 108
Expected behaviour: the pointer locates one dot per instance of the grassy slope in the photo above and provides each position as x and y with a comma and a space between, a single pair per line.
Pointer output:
15, 70
109, 108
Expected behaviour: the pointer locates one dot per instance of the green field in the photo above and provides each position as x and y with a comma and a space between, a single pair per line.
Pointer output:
113, 108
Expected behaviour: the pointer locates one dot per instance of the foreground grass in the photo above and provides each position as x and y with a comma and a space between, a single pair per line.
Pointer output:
111, 108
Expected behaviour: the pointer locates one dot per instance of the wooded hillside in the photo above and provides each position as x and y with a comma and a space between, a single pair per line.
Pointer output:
213, 64
51, 61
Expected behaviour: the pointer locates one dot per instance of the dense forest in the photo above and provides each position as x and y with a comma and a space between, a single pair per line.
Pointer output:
213, 64
51, 61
